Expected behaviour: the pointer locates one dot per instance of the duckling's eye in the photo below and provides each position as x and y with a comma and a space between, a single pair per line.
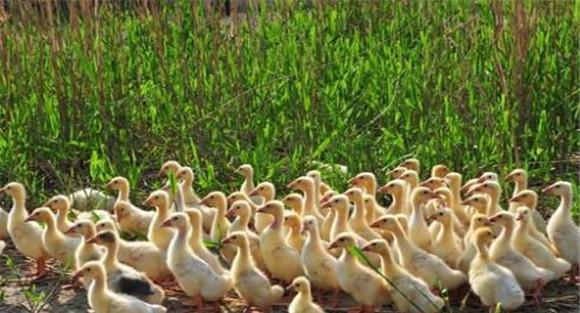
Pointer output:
367, 201
88, 270
485, 185
336, 201
476, 200
175, 218
556, 187
479, 219
156, 197
234, 237
261, 188
440, 213
518, 174
8, 188
211, 197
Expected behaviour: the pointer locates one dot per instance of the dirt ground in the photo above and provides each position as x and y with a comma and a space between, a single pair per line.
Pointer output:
559, 297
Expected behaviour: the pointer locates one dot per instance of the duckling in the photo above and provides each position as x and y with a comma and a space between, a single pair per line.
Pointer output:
418, 229
293, 238
329, 217
520, 178
318, 193
295, 202
433, 183
302, 302
411, 178
447, 245
220, 225
282, 261
169, 167
370, 203
396, 188
469, 184
339, 203
196, 242
195, 277
103, 300
89, 199
3, 224
267, 192
410, 294
534, 249
529, 199
362, 283
319, 265
411, 164
396, 172
160, 236
247, 187
261, 221
27, 237
561, 229
528, 275
61, 205
477, 221
491, 282
488, 176
368, 183
241, 210
439, 171
130, 217
446, 196
251, 283
186, 176
358, 222
306, 185
453, 181
424, 265
123, 278
493, 191
57, 244
85, 252
478, 202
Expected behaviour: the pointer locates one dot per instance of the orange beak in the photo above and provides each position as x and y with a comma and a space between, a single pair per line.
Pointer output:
109, 185
166, 223
384, 189
547, 189
147, 202
375, 224
509, 177
70, 231
92, 240
231, 213
262, 209
326, 204
514, 199
226, 241
30, 218
77, 275
291, 185
254, 192
333, 245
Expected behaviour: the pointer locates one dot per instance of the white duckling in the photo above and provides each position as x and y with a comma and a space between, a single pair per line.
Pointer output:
250, 282
362, 283
302, 302
418, 229
446, 199
367, 181
528, 275
186, 177
426, 266
130, 217
396, 188
85, 252
307, 186
358, 222
477, 221
453, 181
261, 221
410, 294
57, 244
529, 199
247, 186
493, 190
491, 282
520, 179
534, 249
27, 237
329, 217
411, 178
61, 205
282, 261
561, 229
446, 245
319, 265
339, 203
195, 277
196, 242
219, 228
160, 236
123, 278
293, 222
103, 300
295, 202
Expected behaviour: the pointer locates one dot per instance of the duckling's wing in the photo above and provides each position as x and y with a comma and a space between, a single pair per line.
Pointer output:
133, 284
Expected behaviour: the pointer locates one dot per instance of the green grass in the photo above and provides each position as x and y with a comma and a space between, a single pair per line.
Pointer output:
360, 83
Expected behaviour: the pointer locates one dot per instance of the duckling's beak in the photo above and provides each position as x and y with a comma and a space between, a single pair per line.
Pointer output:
254, 192
519, 217
290, 288
166, 223
383, 189
230, 213
488, 222
109, 185
30, 218
225, 241
291, 184
327, 204
77, 275
514, 199
431, 218
262, 209
547, 189
333, 245
147, 202
92, 240
161, 172
465, 202
366, 248
376, 224
509, 177
70, 231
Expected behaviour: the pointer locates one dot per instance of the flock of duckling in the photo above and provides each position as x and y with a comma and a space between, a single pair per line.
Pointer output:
436, 234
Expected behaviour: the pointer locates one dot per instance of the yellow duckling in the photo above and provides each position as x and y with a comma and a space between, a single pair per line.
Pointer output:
418, 229
529, 198
358, 222
196, 242
85, 252
61, 205
439, 171
447, 245
160, 236
306, 185
520, 179
57, 244
396, 172
27, 237
241, 210
194, 275
282, 261
293, 237
186, 177
396, 188
247, 187
491, 282
477, 221
410, 294
104, 300
302, 302
130, 218
368, 183
493, 190
295, 202
362, 283
251, 283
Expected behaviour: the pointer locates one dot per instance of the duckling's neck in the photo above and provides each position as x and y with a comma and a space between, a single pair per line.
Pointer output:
397, 205
98, 289
123, 193
482, 251
520, 185
243, 221
390, 266
313, 238
178, 245
402, 241
370, 212
277, 220
62, 218
371, 188
504, 240
341, 218
243, 259
359, 210
316, 194
51, 225
111, 260
305, 296
195, 231
18, 208
493, 204
162, 212
310, 205
248, 184
565, 204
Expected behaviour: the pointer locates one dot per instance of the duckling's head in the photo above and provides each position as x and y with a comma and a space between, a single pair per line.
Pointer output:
14, 189
158, 199
106, 225
105, 238
489, 187
433, 183
517, 175
559, 188
441, 215
527, 197
329, 194
386, 222
338, 202
185, 172
300, 284
363, 180
235, 196
409, 176
117, 183
479, 220
170, 166
58, 203
379, 246
292, 220
369, 201
238, 238
453, 179
468, 185
439, 170
523, 214
423, 194
195, 218
488, 176
309, 223
301, 183
293, 200
91, 270
239, 208
245, 170
264, 189
478, 201
122, 209
395, 186
396, 172
354, 194
344, 240
42, 214
315, 175
502, 218
273, 207
177, 220
83, 228
411, 164
444, 193
215, 199
483, 236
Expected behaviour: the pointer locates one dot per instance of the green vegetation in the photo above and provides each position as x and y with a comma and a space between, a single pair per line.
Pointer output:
87, 93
